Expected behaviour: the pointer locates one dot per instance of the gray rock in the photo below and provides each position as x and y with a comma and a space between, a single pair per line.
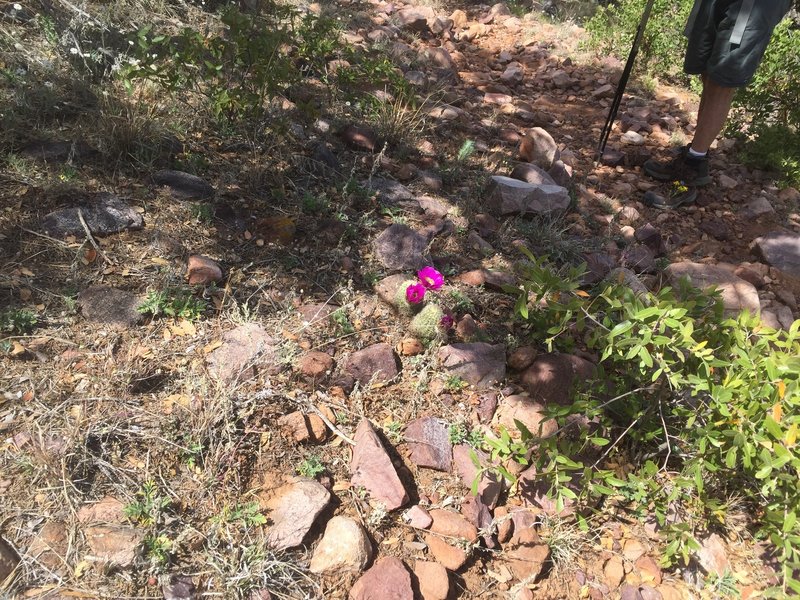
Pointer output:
539, 148
179, 587
372, 468
757, 207
375, 363
361, 138
781, 250
387, 579
113, 545
428, 440
629, 279
479, 364
633, 138
737, 294
513, 74
652, 238
530, 173
411, 19
639, 258
387, 287
388, 191
344, 546
509, 196
561, 174
110, 306
716, 228
244, 351
58, 151
401, 248
104, 215
294, 511
184, 186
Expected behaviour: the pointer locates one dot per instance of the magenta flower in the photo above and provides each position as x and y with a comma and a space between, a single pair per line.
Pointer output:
415, 293
447, 322
430, 278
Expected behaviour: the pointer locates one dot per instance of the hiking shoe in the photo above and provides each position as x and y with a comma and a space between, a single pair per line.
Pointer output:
691, 171
680, 197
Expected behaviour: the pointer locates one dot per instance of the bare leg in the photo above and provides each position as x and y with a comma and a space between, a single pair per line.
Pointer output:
715, 103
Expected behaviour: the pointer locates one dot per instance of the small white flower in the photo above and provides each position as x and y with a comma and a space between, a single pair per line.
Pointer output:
16, 6
130, 42
73, 50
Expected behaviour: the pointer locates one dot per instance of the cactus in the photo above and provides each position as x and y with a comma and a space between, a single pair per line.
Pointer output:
402, 305
427, 324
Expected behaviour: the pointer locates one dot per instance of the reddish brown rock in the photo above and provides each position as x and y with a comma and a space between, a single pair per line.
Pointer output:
649, 570
113, 545
8, 559
614, 572
418, 517
490, 485
360, 138
388, 579
428, 440
303, 428
50, 546
451, 557
528, 561
373, 364
522, 357
539, 148
434, 582
201, 270
410, 347
452, 529
528, 412
551, 377
479, 364
713, 556
106, 510
372, 469
315, 364
244, 351
400, 248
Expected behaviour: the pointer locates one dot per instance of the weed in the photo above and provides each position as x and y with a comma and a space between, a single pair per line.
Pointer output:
454, 383
149, 506
311, 466
341, 321
467, 149
312, 204
723, 586
20, 321
247, 515
564, 538
393, 431
158, 549
459, 302
202, 213
68, 173
176, 303
459, 434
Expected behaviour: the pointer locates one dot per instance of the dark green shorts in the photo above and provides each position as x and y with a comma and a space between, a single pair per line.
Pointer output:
710, 49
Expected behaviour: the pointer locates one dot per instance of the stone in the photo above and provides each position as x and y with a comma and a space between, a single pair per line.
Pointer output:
629, 279
780, 250
344, 546
561, 79
737, 294
315, 364
374, 364
551, 377
561, 174
434, 207
527, 561
522, 357
530, 173
628, 214
477, 513
459, 19
387, 579
104, 214
418, 517
539, 147
9, 560
713, 556
716, 228
293, 511
372, 468
652, 238
400, 248
669, 592
324, 161
184, 186
388, 191
244, 351
113, 545
317, 312
757, 207
638, 258
50, 545
428, 440
179, 587
486, 406
110, 306
528, 412
202, 270
303, 428
612, 158
452, 557
633, 550
361, 138
107, 510
479, 364
434, 582
649, 570
507, 196
513, 74
629, 592
478, 244
410, 19
410, 347
604, 91
491, 278
633, 138
614, 572
649, 593
726, 182
387, 287
490, 486
61, 151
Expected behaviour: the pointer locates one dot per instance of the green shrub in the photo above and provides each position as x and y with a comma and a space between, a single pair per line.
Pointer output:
775, 148
697, 406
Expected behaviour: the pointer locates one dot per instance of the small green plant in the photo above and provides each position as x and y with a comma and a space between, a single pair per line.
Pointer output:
460, 434
776, 148
247, 515
68, 173
147, 509
314, 204
342, 322
393, 430
311, 466
454, 383
158, 549
723, 586
460, 302
467, 149
192, 455
203, 213
18, 321
173, 302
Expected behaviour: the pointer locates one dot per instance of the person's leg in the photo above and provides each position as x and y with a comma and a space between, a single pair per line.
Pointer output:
715, 104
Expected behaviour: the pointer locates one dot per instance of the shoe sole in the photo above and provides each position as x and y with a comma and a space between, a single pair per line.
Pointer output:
662, 177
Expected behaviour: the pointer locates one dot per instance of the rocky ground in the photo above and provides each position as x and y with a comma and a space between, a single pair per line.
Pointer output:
287, 431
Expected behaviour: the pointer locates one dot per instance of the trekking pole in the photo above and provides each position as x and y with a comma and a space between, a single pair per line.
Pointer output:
623, 81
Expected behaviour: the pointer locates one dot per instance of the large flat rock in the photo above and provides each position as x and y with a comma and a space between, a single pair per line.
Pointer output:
294, 511
371, 468
780, 250
737, 294
104, 214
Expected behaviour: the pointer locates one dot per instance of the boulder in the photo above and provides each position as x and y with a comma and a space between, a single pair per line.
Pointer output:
104, 215
183, 186
509, 196
375, 363
372, 468
781, 250
294, 509
737, 294
344, 546
479, 364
